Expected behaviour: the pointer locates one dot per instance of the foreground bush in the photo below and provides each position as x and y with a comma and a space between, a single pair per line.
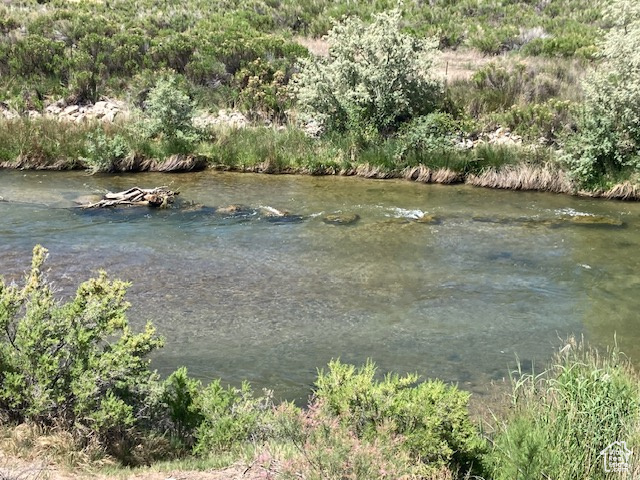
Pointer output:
563, 419
428, 422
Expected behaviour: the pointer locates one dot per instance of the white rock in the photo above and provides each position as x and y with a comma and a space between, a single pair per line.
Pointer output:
110, 116
70, 110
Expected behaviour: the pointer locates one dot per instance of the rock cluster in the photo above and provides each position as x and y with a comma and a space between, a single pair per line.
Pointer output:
106, 111
502, 136
232, 118
6, 112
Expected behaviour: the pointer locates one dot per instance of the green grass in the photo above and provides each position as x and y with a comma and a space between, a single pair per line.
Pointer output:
563, 418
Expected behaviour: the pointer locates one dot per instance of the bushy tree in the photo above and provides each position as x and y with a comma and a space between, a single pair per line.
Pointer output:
77, 365
375, 77
169, 111
608, 137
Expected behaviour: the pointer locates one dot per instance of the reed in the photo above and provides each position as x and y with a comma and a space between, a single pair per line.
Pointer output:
563, 418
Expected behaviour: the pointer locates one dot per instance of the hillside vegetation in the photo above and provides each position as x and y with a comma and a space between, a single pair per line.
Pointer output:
530, 100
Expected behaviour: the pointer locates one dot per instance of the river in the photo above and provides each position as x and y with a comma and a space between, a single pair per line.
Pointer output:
497, 276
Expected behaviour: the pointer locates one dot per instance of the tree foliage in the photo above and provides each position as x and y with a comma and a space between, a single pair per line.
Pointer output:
608, 138
374, 78
169, 111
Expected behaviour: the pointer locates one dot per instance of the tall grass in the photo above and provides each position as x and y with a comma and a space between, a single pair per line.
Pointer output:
41, 143
563, 418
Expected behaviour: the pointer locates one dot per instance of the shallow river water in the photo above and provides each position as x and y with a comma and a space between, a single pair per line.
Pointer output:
501, 275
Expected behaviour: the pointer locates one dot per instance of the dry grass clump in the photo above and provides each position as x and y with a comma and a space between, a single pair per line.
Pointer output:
545, 178
423, 174
370, 171
446, 176
26, 162
623, 191
32, 442
180, 163
419, 173
139, 163
460, 65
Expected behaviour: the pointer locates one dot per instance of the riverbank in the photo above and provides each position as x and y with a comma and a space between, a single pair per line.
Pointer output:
493, 161
532, 428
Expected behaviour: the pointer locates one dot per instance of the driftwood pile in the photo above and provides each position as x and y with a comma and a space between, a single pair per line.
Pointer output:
159, 197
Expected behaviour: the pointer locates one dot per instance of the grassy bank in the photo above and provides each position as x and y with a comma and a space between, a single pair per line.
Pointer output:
45, 143
71, 397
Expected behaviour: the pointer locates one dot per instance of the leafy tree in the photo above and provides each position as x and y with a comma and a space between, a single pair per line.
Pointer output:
608, 137
169, 111
374, 78
77, 365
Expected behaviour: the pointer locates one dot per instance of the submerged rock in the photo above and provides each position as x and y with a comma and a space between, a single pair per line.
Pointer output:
287, 218
563, 221
87, 199
235, 209
341, 218
498, 220
429, 219
588, 220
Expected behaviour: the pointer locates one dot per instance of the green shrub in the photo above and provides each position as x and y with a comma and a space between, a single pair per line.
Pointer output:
562, 420
206, 70
374, 79
34, 55
551, 120
493, 41
234, 42
181, 394
105, 151
430, 418
231, 417
608, 137
264, 90
169, 112
172, 50
77, 365
435, 133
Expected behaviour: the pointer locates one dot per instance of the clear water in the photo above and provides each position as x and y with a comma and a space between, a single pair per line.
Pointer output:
244, 298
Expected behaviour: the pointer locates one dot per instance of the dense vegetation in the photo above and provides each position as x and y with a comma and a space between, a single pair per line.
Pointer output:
78, 369
87, 49
375, 99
